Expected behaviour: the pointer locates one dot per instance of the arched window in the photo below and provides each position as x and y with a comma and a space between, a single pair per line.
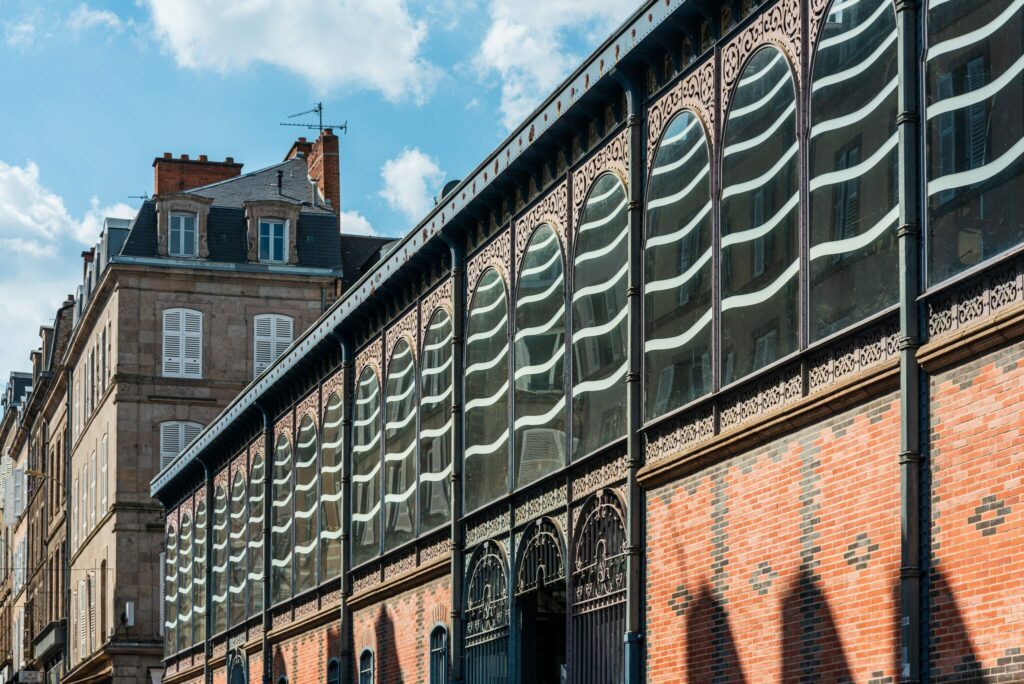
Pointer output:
219, 586
678, 269
760, 259
333, 672
257, 511
439, 655
599, 317
305, 505
237, 561
366, 468
199, 574
185, 564
486, 383
281, 522
854, 165
487, 615
436, 422
170, 597
366, 667
400, 447
975, 84
238, 674
330, 490
539, 354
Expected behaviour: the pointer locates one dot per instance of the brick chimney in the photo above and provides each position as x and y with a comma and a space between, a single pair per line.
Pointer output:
322, 162
172, 174
300, 146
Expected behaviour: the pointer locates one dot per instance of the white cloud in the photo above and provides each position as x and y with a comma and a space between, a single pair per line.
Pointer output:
372, 44
526, 49
83, 18
411, 180
354, 223
25, 304
20, 34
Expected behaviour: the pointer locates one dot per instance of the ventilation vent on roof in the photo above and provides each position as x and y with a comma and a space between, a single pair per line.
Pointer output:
446, 190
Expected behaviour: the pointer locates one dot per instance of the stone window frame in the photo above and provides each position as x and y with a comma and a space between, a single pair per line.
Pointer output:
278, 210
182, 204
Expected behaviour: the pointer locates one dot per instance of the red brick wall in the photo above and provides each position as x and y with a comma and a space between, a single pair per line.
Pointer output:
398, 631
324, 165
977, 467
304, 658
175, 175
782, 562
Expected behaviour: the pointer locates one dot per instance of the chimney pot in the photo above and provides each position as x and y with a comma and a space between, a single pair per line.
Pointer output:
229, 160
184, 157
302, 139
168, 155
203, 157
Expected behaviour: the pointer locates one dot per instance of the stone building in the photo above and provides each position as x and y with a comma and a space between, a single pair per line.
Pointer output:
178, 310
712, 371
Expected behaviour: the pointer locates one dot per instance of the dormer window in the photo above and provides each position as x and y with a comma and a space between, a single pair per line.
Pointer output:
273, 241
182, 235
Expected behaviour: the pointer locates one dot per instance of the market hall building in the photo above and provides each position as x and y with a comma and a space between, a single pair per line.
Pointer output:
712, 371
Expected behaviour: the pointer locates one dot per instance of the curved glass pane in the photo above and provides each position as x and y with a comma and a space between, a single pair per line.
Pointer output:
171, 592
486, 378
330, 490
975, 132
366, 468
257, 511
236, 560
281, 522
436, 422
540, 360
305, 505
760, 196
185, 583
677, 270
599, 312
400, 447
199, 575
219, 585
854, 172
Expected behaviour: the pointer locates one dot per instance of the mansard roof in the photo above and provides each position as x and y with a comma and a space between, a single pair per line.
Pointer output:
262, 185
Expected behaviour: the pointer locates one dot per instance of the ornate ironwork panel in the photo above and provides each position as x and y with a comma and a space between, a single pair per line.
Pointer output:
487, 616
599, 590
541, 557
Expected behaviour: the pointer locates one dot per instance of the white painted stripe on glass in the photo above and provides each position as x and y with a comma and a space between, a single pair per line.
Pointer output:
487, 334
764, 228
762, 295
856, 70
677, 235
437, 477
857, 30
597, 223
860, 114
672, 166
755, 183
971, 97
558, 314
758, 139
487, 401
600, 287
754, 106
857, 242
672, 199
540, 368
399, 498
602, 251
544, 418
681, 279
978, 175
540, 296
600, 385
976, 35
844, 175
368, 516
483, 449
603, 329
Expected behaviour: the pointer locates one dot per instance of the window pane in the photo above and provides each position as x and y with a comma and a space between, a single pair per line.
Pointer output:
330, 496
975, 132
366, 468
237, 561
257, 509
174, 238
677, 269
436, 422
265, 237
170, 592
199, 575
540, 360
854, 167
760, 196
281, 521
305, 506
219, 586
400, 448
486, 378
188, 241
599, 318
185, 584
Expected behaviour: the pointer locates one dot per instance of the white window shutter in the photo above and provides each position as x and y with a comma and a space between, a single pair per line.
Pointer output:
104, 484
282, 335
74, 514
92, 611
193, 345
83, 497
92, 491
170, 442
81, 619
263, 343
189, 431
172, 333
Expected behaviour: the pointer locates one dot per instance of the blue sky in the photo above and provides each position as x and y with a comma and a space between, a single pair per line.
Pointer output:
92, 92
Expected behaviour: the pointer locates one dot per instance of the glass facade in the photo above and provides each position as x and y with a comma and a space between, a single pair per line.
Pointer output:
975, 132
237, 561
400, 447
678, 269
185, 565
281, 521
436, 422
366, 468
331, 472
219, 574
486, 385
170, 590
257, 513
305, 505
599, 317
199, 574
539, 352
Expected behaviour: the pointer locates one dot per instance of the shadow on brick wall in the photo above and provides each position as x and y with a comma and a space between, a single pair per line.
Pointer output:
710, 646
952, 656
388, 667
811, 648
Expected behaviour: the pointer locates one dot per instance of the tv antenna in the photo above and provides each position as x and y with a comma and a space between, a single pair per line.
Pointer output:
319, 126
144, 196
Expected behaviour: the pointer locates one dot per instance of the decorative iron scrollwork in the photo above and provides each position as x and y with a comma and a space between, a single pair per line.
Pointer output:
487, 592
599, 552
541, 556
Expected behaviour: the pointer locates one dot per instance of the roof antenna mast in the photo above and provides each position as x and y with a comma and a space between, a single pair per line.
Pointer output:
319, 126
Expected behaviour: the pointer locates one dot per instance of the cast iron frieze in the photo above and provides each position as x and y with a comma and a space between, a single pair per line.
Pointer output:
695, 92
